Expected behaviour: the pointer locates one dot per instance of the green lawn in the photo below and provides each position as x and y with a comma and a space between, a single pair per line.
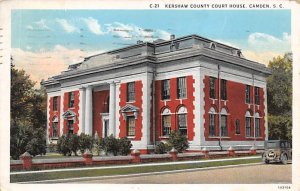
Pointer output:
121, 171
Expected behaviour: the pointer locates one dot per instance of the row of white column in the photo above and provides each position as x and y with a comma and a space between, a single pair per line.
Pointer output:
86, 109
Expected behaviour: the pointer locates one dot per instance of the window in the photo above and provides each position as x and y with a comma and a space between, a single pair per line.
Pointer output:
212, 122
165, 89
70, 126
257, 98
248, 126
212, 89
71, 99
130, 92
182, 120
224, 127
257, 127
224, 131
54, 127
237, 127
166, 122
223, 90
247, 94
130, 126
181, 87
55, 103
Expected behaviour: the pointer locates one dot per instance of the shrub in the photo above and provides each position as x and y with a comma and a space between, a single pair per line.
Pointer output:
52, 147
178, 141
73, 143
124, 146
85, 142
111, 145
99, 145
162, 148
62, 145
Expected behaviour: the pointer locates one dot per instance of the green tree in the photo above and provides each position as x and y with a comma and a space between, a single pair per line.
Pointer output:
279, 87
28, 115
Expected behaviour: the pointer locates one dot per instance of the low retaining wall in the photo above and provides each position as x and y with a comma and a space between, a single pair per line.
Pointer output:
27, 163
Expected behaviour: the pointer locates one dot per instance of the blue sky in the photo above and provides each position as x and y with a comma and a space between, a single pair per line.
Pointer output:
62, 37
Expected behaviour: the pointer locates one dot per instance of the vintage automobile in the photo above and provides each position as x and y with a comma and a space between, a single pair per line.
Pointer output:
277, 151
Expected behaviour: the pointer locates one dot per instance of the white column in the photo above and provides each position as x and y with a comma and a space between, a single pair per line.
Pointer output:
89, 111
61, 125
81, 111
47, 124
112, 108
117, 106
146, 105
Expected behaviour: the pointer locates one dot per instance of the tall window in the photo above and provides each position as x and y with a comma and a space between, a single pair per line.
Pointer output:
181, 87
165, 89
248, 126
237, 127
55, 103
257, 97
223, 89
70, 126
257, 125
247, 94
212, 122
182, 120
166, 120
54, 127
130, 126
212, 87
130, 91
224, 127
71, 99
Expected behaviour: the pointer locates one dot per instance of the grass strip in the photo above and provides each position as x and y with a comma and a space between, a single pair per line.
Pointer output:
121, 171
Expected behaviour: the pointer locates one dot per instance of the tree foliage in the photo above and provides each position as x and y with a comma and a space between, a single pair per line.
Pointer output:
28, 115
279, 86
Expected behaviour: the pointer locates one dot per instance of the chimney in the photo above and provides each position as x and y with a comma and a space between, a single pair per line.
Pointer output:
172, 37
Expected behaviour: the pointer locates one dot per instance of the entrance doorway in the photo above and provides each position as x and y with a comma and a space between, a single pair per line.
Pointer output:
105, 125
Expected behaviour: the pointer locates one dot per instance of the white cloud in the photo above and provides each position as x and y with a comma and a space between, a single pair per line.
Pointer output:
29, 27
93, 25
265, 42
68, 27
41, 24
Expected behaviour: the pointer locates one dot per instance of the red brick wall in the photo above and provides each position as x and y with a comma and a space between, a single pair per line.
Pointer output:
52, 114
138, 103
236, 106
100, 105
174, 104
75, 109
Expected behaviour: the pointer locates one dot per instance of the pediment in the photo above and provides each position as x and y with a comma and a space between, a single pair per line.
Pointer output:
129, 108
69, 114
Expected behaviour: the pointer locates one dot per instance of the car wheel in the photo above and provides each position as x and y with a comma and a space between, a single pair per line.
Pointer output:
283, 159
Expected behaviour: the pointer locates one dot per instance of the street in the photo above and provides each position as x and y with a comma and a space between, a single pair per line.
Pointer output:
254, 174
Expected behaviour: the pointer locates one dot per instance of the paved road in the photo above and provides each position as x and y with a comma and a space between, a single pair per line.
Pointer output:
256, 174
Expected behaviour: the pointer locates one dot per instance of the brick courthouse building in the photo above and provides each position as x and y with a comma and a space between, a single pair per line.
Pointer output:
206, 90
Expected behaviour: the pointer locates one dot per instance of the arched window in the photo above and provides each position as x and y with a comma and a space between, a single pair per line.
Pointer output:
212, 45
166, 122
224, 127
257, 125
54, 127
248, 124
212, 121
182, 120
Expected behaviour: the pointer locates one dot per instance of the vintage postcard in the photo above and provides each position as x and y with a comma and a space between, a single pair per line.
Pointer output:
149, 95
